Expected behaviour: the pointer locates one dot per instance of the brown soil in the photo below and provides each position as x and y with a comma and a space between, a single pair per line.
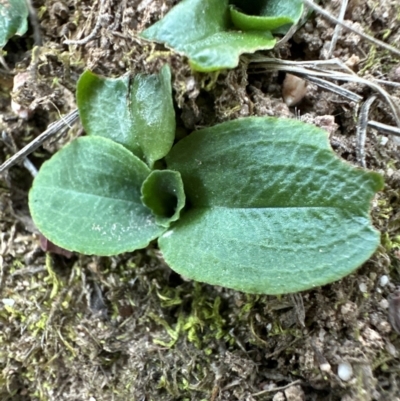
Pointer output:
129, 328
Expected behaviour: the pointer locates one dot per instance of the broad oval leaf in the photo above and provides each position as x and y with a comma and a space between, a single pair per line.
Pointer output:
273, 210
138, 113
201, 30
13, 19
265, 14
86, 198
163, 193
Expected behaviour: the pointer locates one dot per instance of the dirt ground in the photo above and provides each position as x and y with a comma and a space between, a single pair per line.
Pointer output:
129, 328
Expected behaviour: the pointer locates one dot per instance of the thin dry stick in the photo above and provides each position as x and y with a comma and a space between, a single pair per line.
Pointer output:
292, 30
53, 129
336, 76
95, 30
334, 88
9, 142
386, 129
362, 129
376, 42
389, 83
338, 29
277, 388
317, 65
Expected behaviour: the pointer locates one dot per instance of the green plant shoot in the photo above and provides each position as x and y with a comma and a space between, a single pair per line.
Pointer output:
259, 204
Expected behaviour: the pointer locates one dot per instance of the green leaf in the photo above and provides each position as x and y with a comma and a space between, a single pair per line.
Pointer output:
199, 29
265, 14
13, 19
163, 193
273, 210
153, 114
86, 198
138, 114
103, 105
222, 50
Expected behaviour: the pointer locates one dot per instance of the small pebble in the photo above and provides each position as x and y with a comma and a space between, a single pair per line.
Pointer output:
362, 287
325, 367
383, 280
8, 301
384, 140
345, 371
293, 89
384, 304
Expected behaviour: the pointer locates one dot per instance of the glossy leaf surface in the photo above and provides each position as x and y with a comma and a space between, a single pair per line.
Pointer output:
273, 210
201, 30
265, 14
153, 114
86, 198
13, 19
118, 109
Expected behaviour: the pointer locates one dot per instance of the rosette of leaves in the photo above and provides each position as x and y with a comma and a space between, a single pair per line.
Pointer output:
13, 19
214, 33
259, 204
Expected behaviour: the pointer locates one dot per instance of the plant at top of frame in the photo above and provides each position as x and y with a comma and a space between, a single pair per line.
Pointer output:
214, 33
259, 204
13, 19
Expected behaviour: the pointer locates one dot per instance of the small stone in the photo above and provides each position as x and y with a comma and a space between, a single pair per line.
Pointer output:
383, 140
293, 89
8, 301
384, 304
362, 287
294, 393
279, 397
383, 280
345, 371
325, 367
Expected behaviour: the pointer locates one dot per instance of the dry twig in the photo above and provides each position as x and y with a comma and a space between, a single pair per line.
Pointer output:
277, 388
362, 129
53, 129
313, 69
338, 29
101, 18
371, 39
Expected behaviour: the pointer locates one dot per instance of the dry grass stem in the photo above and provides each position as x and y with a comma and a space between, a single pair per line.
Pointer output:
271, 390
338, 29
102, 16
362, 129
331, 18
384, 128
57, 127
311, 69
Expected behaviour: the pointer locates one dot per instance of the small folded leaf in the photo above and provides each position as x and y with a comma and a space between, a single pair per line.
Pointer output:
104, 109
153, 114
200, 29
163, 193
138, 114
273, 210
265, 14
13, 19
86, 198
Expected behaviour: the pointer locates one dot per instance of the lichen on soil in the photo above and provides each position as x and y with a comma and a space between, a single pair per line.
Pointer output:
129, 328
